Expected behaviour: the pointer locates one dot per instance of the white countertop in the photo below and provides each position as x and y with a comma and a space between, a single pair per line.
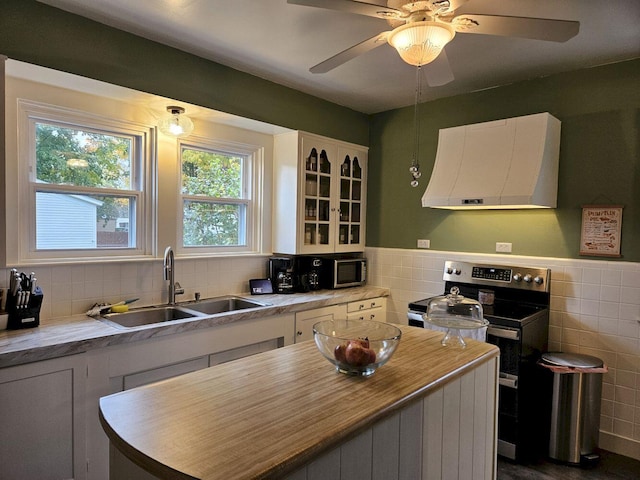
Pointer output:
80, 333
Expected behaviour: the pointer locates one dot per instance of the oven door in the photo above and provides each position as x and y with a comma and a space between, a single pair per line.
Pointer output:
509, 341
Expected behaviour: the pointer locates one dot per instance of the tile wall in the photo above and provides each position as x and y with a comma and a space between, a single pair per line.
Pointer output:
595, 310
73, 289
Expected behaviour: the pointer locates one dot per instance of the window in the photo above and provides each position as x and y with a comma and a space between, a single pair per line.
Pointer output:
87, 185
217, 190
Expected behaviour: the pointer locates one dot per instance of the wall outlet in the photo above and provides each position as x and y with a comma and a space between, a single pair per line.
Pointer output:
423, 243
503, 247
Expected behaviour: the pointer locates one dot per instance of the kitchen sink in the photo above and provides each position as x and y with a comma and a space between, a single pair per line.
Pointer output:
211, 306
147, 316
167, 313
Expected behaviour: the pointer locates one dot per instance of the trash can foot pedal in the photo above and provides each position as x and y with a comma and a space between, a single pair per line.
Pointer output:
589, 459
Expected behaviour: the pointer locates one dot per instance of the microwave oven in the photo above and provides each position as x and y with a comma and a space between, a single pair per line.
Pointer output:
346, 272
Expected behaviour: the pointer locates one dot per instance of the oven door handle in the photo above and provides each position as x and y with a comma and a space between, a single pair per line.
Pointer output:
504, 333
507, 380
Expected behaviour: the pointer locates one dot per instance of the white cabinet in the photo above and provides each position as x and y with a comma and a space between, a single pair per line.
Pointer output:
319, 195
130, 365
305, 320
372, 309
43, 428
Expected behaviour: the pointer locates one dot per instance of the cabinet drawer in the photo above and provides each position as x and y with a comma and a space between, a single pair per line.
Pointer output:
365, 305
375, 314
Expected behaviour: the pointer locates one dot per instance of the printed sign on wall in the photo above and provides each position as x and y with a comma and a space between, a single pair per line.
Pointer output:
601, 229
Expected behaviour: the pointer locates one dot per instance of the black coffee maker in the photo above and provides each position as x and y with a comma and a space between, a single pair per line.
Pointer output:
309, 273
282, 274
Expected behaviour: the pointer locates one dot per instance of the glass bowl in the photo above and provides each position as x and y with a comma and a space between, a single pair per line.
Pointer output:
356, 347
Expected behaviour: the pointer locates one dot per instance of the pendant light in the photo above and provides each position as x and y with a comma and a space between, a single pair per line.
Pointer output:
176, 123
414, 169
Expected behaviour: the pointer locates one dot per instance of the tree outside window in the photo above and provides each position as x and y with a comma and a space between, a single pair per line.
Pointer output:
215, 200
81, 181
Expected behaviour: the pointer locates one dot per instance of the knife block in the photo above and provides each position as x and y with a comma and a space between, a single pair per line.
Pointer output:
26, 316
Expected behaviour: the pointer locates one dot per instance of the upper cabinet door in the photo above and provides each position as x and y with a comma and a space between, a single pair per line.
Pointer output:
316, 194
319, 195
351, 200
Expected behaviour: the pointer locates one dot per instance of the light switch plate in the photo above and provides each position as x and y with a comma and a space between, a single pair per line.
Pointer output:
503, 247
424, 243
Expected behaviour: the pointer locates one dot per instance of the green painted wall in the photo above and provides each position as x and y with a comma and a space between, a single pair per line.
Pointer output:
36, 33
599, 164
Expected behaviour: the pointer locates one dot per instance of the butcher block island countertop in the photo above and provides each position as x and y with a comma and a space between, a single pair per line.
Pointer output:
270, 415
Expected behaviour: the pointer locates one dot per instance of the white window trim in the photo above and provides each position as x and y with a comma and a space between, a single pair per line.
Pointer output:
254, 174
30, 112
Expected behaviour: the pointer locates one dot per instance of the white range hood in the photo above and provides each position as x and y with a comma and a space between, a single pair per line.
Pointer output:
510, 163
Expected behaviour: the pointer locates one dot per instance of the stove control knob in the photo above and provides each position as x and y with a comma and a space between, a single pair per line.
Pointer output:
538, 280
517, 277
527, 278
457, 271
449, 270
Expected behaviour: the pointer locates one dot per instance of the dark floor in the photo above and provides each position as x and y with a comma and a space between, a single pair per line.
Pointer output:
610, 467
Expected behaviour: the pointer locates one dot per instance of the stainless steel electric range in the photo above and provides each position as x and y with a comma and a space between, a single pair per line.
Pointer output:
516, 304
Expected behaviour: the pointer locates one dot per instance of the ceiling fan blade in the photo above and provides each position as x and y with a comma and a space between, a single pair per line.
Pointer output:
349, 53
438, 72
352, 6
455, 4
524, 27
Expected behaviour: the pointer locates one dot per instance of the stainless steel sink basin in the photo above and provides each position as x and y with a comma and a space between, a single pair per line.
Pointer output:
147, 316
211, 306
166, 313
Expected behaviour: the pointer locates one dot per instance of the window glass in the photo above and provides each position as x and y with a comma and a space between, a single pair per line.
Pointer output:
215, 199
85, 188
71, 156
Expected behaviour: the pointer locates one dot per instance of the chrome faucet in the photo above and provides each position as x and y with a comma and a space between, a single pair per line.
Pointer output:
169, 274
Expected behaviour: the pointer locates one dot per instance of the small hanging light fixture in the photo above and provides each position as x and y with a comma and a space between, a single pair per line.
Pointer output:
414, 169
176, 123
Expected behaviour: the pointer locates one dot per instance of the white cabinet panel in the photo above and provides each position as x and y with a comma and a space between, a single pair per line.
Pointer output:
162, 373
449, 434
42, 434
305, 320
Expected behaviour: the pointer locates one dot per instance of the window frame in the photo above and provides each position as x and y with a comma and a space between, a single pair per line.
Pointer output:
252, 185
143, 177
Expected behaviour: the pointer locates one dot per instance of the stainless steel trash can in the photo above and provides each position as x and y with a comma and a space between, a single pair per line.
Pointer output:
575, 409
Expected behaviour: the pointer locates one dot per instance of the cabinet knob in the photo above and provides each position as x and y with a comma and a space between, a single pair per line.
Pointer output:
299, 333
361, 306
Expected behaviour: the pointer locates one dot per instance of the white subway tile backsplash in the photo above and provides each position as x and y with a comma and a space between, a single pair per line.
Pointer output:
595, 310
612, 277
591, 276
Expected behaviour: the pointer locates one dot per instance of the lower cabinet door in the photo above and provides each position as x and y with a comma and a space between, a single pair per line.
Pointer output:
305, 320
42, 432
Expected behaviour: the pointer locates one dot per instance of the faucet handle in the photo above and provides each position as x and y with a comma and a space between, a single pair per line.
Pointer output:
178, 290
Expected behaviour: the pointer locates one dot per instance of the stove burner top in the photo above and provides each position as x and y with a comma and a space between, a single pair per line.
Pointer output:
517, 302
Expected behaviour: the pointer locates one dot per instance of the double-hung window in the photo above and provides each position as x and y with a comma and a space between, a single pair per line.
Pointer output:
88, 185
218, 194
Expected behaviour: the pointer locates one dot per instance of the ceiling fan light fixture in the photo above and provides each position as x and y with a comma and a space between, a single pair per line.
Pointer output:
176, 123
419, 43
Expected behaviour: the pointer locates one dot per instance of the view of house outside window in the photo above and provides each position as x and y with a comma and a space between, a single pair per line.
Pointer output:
82, 179
214, 190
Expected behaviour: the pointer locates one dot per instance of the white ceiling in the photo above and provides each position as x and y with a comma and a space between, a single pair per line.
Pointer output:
280, 42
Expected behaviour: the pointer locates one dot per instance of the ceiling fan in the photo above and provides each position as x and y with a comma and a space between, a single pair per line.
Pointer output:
422, 29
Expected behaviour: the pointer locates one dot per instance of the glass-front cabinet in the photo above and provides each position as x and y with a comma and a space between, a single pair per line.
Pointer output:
329, 195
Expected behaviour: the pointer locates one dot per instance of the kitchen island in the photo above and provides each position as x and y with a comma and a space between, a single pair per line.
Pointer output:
430, 412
